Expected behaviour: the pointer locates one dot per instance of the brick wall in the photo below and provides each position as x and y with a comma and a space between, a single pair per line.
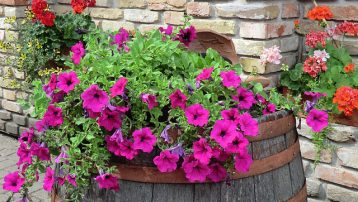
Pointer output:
252, 24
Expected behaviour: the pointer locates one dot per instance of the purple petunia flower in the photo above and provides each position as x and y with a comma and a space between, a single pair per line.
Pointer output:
245, 98
151, 100
107, 181
67, 81
94, 98
197, 115
78, 52
317, 120
166, 31
13, 182
230, 79
165, 134
120, 39
178, 149
186, 36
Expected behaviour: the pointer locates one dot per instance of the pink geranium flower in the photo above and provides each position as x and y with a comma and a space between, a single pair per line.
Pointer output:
223, 132
127, 149
231, 115
151, 100
26, 136
194, 170
220, 155
178, 99
110, 119
94, 98
205, 74
67, 81
186, 36
144, 140
118, 87
197, 115
166, 161
13, 182
317, 120
53, 116
248, 125
230, 79
271, 55
218, 172
243, 161
202, 151
270, 108
245, 98
78, 51
42, 152
107, 181
49, 179
238, 145
24, 154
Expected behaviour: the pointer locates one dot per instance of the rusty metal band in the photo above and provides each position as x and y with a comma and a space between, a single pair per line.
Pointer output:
301, 196
271, 129
153, 175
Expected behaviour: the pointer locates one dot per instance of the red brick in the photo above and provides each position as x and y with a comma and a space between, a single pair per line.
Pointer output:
290, 10
199, 9
340, 176
265, 30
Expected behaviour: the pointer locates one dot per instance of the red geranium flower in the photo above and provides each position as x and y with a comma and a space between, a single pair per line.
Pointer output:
320, 13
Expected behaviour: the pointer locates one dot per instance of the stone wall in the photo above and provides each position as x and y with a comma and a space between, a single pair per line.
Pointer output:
252, 24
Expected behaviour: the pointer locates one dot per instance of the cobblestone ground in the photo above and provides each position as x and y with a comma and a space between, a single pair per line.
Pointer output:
8, 159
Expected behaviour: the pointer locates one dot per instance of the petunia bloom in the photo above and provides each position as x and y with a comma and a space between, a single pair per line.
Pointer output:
205, 74
94, 98
245, 98
144, 140
186, 36
53, 116
67, 81
49, 179
248, 125
194, 170
120, 39
24, 154
231, 115
166, 31
71, 179
202, 151
230, 79
107, 181
218, 172
118, 87
110, 119
13, 182
127, 150
197, 115
166, 161
78, 52
238, 144
223, 132
42, 152
243, 161
270, 108
317, 120
151, 100
220, 155
177, 149
178, 99
27, 136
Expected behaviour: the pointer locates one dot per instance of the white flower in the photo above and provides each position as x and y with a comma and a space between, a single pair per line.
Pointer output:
321, 54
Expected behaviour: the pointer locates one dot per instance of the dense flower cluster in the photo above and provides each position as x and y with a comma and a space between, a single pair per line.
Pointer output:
347, 99
79, 5
42, 13
320, 13
271, 55
316, 37
349, 28
313, 66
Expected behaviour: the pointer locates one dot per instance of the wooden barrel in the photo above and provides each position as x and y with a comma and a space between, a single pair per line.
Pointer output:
275, 175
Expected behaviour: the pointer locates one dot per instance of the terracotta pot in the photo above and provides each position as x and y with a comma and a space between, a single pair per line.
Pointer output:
347, 120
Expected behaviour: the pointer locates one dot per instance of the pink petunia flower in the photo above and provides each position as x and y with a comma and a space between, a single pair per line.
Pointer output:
218, 172
113, 146
317, 120
194, 170
127, 149
57, 97
53, 116
231, 115
205, 74
197, 115
107, 181
42, 152
13, 182
78, 52
243, 161
53, 81
245, 98
118, 87
166, 161
261, 99
67, 81
71, 179
271, 55
186, 36
202, 151
238, 145
110, 119
270, 108
223, 132
94, 98
248, 125
120, 39
26, 136
220, 155
49, 179
166, 31
230, 79
178, 99
151, 100
144, 140
24, 154
62, 157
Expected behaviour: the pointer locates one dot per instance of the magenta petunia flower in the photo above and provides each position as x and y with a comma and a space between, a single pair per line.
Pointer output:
67, 81
205, 74
218, 172
118, 87
202, 151
245, 98
24, 154
110, 119
53, 116
62, 157
194, 170
230, 79
197, 115
178, 99
49, 179
261, 99
41, 125
270, 108
94, 98
78, 51
26, 136
166, 161
231, 115
238, 145
315, 95
186, 36
220, 155
127, 149
248, 125
166, 31
42, 152
243, 161
151, 100
223, 132
107, 181
120, 39
117, 136
144, 139
71, 179
13, 182
317, 120
53, 81
93, 115
57, 97
112, 145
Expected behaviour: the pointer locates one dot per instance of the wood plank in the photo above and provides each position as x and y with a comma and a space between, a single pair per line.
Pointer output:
264, 189
208, 192
172, 192
134, 191
282, 183
297, 174
239, 190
